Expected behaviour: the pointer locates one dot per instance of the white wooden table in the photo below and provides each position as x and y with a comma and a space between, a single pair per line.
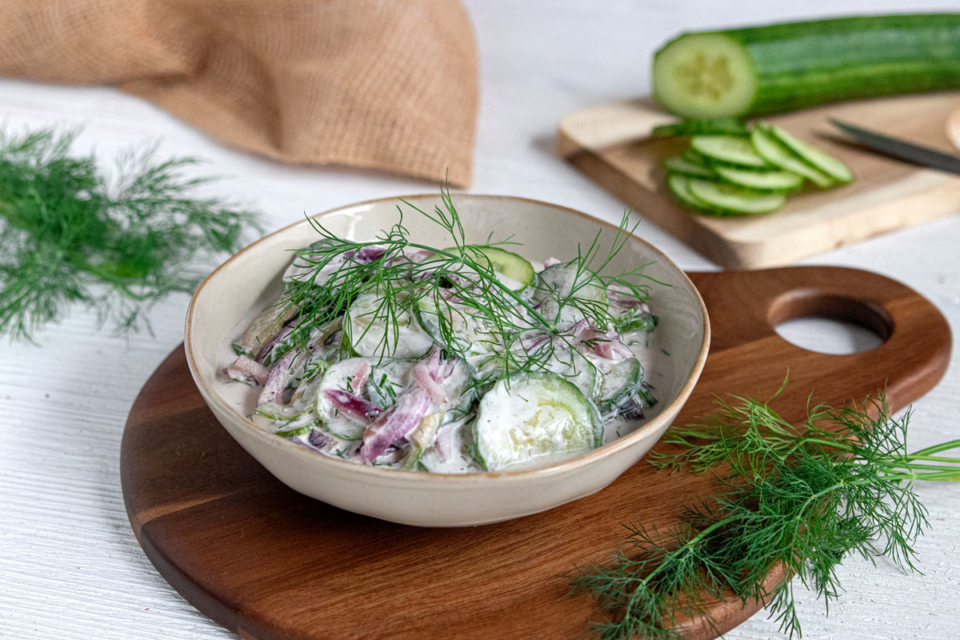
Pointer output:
69, 564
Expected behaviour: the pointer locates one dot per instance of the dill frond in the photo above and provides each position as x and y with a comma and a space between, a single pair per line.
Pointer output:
67, 236
454, 281
804, 497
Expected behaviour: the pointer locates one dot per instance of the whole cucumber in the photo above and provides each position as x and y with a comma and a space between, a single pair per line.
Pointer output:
782, 67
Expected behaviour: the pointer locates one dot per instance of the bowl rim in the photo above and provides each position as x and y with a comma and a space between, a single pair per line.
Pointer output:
351, 468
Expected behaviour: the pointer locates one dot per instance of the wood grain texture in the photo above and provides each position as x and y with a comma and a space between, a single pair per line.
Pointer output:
612, 145
268, 563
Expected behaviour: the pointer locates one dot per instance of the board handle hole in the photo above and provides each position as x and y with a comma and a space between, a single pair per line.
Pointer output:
832, 324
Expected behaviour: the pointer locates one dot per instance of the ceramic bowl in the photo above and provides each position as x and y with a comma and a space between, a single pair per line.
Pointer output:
251, 279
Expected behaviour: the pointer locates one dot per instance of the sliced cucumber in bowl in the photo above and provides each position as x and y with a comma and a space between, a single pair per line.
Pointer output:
365, 331
516, 271
533, 417
621, 382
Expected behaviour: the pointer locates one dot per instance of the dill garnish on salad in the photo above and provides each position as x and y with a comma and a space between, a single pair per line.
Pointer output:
449, 359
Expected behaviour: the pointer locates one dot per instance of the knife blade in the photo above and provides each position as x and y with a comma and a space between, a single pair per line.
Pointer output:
901, 149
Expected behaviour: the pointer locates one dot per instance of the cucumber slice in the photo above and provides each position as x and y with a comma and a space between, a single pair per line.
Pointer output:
340, 376
733, 200
574, 367
296, 431
365, 331
679, 186
704, 75
685, 167
728, 149
538, 415
693, 157
387, 380
619, 384
636, 321
558, 284
778, 155
517, 271
760, 180
820, 160
458, 327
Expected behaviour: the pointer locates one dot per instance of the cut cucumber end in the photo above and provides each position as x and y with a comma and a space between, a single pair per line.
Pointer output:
706, 75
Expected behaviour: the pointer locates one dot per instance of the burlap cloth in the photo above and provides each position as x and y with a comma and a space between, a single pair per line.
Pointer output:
388, 85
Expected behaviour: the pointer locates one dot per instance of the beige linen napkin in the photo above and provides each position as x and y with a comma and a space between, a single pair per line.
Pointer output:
388, 85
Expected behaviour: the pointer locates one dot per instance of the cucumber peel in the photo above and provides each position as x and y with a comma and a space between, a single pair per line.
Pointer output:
508, 264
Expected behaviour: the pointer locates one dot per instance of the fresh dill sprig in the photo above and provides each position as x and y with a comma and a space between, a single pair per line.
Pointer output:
455, 283
801, 497
67, 236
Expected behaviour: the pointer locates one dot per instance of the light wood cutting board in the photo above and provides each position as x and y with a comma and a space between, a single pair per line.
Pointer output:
271, 564
612, 145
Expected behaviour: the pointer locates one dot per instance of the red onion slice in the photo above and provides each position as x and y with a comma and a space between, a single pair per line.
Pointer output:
276, 384
622, 296
353, 405
272, 342
395, 424
244, 368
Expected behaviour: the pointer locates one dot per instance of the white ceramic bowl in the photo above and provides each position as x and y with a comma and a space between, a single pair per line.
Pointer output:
252, 279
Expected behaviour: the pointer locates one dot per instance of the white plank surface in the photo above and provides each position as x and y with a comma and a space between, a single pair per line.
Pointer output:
69, 564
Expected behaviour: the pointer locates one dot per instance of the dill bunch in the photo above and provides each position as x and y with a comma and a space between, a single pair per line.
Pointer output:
803, 497
67, 236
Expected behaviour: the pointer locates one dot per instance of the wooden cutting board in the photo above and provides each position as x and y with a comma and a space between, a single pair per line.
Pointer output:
612, 145
271, 564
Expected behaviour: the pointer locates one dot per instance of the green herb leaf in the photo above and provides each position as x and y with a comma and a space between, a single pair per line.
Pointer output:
67, 237
456, 283
803, 497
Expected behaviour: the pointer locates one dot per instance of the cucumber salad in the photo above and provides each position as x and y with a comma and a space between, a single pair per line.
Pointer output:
448, 359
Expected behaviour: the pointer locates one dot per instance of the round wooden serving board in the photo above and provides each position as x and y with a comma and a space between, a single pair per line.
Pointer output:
268, 563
